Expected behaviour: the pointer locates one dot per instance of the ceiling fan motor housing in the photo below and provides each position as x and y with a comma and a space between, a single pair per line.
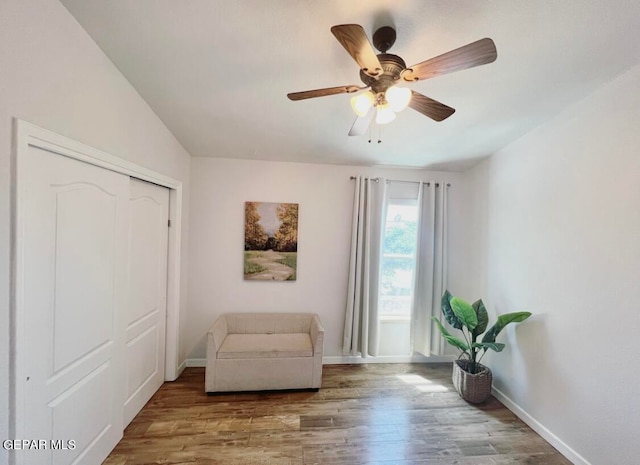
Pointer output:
392, 66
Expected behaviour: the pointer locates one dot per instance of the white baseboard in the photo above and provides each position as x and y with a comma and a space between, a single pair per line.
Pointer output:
341, 360
195, 362
349, 359
181, 367
539, 428
178, 372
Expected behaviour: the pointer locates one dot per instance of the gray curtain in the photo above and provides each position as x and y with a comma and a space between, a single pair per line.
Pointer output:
431, 268
361, 325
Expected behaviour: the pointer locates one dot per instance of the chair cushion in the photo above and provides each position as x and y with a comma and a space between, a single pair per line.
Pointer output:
266, 346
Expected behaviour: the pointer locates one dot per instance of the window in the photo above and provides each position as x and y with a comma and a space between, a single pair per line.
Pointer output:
398, 259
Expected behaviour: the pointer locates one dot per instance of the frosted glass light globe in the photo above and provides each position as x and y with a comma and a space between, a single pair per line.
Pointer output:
398, 97
362, 103
385, 114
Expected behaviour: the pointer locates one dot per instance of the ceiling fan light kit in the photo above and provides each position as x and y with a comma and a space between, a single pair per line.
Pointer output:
385, 114
395, 99
381, 72
361, 103
398, 97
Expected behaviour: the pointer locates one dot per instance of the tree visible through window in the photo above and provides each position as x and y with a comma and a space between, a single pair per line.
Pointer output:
398, 259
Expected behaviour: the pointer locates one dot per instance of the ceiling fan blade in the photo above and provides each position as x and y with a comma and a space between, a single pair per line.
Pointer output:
323, 92
476, 53
361, 124
354, 40
427, 106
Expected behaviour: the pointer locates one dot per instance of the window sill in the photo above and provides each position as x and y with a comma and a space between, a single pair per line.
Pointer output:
394, 318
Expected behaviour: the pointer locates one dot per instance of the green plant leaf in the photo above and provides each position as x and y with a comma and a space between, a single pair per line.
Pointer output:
497, 346
504, 320
465, 312
459, 343
483, 318
454, 341
451, 317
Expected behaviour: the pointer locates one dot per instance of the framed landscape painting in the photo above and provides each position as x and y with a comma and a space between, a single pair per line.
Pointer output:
270, 241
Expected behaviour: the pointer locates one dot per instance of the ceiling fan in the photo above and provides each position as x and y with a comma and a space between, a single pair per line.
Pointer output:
382, 72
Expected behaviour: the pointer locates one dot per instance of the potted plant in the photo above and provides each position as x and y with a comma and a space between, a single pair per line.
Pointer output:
471, 379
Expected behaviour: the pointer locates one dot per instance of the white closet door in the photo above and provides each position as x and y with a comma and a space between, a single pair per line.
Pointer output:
75, 219
145, 319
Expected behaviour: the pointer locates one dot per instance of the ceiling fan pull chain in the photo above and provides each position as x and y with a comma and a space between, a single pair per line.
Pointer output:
369, 133
379, 134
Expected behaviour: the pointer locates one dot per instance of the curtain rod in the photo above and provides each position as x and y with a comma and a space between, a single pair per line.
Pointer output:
372, 179
399, 180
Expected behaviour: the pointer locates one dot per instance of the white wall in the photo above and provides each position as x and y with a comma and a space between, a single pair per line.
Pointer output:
53, 75
562, 240
219, 188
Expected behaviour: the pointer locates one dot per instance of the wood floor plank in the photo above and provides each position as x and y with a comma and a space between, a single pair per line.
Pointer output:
382, 414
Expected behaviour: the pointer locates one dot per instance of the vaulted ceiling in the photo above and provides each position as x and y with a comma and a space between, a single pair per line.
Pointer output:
217, 72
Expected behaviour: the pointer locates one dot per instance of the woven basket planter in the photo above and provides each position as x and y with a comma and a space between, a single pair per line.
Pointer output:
472, 388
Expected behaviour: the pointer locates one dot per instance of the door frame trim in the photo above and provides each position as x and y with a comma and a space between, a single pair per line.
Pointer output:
29, 135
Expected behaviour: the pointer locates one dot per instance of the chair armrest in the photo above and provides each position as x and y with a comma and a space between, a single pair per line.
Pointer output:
316, 332
215, 338
218, 332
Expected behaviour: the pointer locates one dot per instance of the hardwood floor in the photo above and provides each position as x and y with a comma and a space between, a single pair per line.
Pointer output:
395, 414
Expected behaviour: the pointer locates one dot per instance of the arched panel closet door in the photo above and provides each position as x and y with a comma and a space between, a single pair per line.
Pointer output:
146, 313
75, 236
